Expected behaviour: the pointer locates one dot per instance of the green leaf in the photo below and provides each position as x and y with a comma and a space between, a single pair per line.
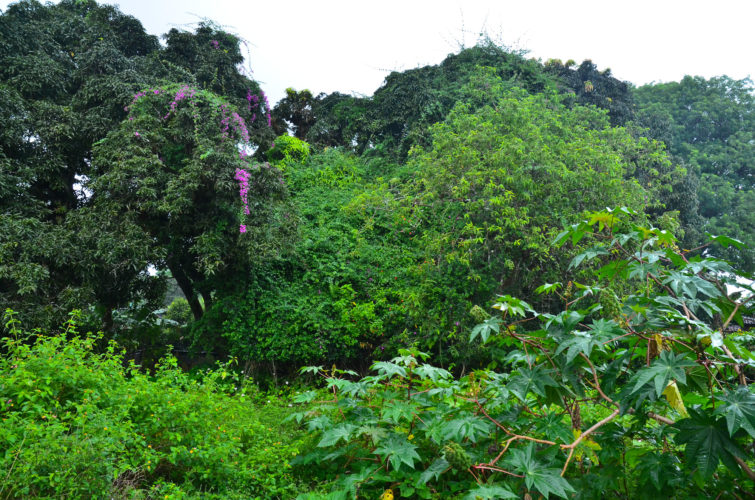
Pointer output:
588, 254
578, 342
399, 449
337, 433
552, 426
395, 411
485, 328
726, 242
489, 492
530, 380
512, 305
436, 468
389, 369
663, 369
544, 479
739, 410
470, 427
707, 442
548, 288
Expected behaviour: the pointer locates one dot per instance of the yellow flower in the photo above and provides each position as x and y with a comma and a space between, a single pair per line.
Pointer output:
387, 495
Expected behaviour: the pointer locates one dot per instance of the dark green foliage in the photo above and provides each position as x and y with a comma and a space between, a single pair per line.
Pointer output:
168, 171
67, 71
399, 113
709, 125
588, 86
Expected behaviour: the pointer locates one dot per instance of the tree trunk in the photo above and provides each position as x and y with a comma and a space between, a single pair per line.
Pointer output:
187, 288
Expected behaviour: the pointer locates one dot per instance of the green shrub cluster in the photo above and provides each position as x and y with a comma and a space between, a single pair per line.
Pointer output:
78, 422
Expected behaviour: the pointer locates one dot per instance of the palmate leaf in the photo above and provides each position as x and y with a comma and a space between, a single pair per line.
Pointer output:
398, 450
395, 411
739, 410
544, 479
588, 254
530, 380
663, 369
337, 433
512, 306
468, 427
600, 332
490, 492
707, 442
436, 468
484, 329
388, 369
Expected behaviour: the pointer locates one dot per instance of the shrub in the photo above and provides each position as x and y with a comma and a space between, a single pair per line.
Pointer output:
81, 423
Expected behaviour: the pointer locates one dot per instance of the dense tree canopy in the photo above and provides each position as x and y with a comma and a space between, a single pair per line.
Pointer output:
709, 125
67, 72
169, 170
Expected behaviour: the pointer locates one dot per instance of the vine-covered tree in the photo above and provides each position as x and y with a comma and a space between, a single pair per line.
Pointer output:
178, 171
67, 71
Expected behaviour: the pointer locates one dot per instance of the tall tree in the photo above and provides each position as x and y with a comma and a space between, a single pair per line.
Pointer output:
67, 71
177, 170
709, 125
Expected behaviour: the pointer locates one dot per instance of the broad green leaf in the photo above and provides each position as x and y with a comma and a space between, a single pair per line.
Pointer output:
389, 369
544, 479
739, 410
337, 433
726, 242
395, 411
707, 442
530, 380
485, 328
548, 288
436, 468
469, 427
512, 305
587, 255
399, 450
663, 369
552, 426
433, 373
489, 492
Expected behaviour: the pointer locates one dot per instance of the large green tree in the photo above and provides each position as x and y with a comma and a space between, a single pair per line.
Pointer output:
709, 125
67, 71
178, 172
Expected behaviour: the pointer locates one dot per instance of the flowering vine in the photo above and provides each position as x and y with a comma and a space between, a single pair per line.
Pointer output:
231, 124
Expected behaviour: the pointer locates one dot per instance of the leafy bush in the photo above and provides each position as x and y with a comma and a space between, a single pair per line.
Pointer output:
640, 394
78, 423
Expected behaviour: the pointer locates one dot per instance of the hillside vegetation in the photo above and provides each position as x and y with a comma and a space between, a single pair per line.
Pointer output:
505, 278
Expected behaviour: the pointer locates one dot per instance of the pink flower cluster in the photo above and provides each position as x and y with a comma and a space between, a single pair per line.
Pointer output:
243, 177
183, 93
267, 108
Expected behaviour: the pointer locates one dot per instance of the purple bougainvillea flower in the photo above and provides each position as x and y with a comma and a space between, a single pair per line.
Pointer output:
242, 228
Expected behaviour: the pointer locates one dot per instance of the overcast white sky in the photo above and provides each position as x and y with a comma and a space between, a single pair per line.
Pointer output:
351, 45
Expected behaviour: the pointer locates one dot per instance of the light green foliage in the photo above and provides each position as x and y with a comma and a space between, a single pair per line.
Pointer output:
489, 193
577, 408
342, 293
80, 422
287, 149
